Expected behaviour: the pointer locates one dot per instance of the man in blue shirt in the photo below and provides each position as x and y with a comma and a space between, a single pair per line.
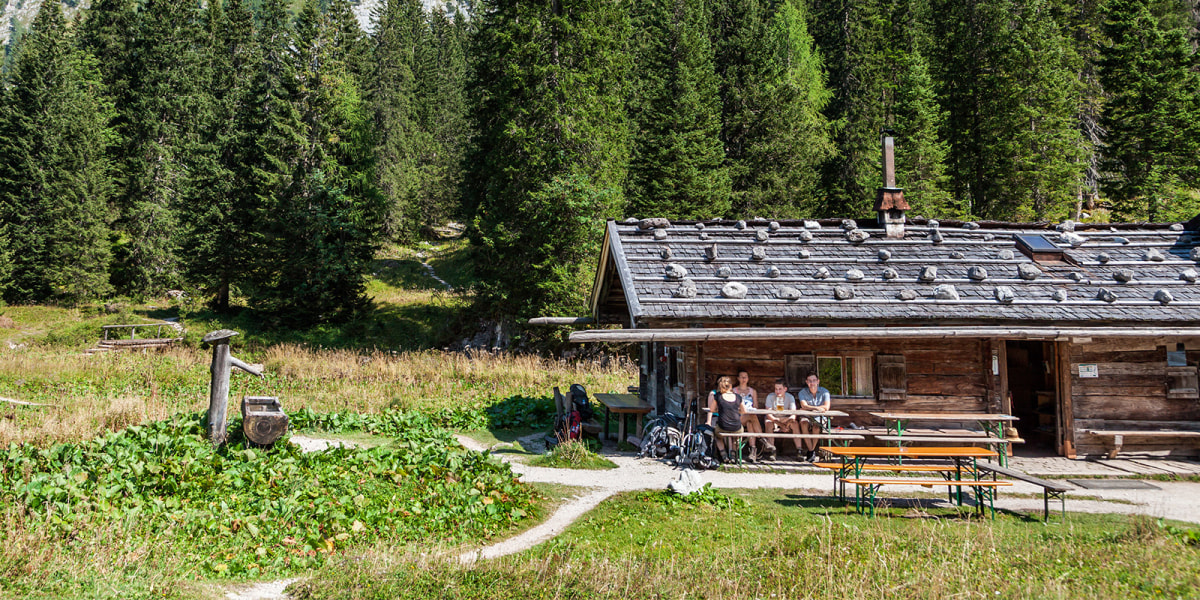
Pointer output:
815, 398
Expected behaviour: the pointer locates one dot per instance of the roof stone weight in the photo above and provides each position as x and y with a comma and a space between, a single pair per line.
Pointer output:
815, 272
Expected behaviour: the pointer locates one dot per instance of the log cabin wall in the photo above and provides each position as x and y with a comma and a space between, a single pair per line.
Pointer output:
942, 376
1130, 393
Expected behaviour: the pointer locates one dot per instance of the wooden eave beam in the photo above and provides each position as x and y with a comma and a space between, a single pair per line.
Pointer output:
824, 333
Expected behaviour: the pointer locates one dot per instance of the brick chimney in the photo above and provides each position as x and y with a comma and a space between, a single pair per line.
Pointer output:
889, 203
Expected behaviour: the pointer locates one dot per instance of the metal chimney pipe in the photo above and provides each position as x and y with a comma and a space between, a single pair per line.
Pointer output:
889, 202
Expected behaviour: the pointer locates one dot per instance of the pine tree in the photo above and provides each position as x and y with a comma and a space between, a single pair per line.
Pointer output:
55, 180
1152, 117
162, 108
217, 246
677, 167
550, 156
921, 152
880, 80
322, 233
1009, 86
441, 113
391, 95
772, 92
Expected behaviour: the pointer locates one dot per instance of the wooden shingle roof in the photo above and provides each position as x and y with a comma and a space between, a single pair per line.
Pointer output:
846, 272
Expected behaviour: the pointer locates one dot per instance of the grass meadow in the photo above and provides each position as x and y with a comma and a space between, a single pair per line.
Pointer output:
774, 544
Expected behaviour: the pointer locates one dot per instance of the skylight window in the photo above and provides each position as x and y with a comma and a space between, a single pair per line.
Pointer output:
1038, 248
1037, 243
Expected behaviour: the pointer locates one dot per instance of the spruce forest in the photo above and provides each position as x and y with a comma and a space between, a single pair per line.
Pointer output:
259, 153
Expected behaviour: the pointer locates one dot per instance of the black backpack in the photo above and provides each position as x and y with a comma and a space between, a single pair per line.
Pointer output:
579, 399
699, 450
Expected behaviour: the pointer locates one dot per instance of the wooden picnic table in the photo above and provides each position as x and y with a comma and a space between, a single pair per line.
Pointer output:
853, 459
623, 405
796, 412
992, 425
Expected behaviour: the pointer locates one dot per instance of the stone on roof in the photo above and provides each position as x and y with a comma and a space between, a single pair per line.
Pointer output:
894, 269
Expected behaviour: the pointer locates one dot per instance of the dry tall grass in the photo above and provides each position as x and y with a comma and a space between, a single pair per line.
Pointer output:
92, 394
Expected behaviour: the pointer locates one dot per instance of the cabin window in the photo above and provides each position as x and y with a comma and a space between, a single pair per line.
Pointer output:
846, 374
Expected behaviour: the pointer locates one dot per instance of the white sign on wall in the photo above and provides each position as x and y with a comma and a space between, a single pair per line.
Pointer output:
1088, 370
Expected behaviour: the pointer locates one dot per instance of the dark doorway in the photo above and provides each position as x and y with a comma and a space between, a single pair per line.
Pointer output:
1031, 383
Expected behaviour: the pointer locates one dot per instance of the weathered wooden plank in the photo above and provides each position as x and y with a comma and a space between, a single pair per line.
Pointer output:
1132, 357
1135, 424
946, 386
1108, 369
1099, 407
1126, 394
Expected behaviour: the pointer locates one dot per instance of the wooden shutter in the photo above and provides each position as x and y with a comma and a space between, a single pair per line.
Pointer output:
1181, 377
1182, 383
797, 367
893, 378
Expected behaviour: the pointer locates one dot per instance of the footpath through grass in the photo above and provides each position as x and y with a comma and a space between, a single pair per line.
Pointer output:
777, 544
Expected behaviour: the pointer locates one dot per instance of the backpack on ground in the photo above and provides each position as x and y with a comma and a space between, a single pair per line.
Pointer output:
580, 402
698, 450
661, 438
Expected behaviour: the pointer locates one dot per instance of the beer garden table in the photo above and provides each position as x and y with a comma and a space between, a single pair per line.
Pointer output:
991, 424
853, 459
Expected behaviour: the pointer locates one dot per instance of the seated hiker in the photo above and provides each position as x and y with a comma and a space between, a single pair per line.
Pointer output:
780, 399
751, 423
813, 397
729, 410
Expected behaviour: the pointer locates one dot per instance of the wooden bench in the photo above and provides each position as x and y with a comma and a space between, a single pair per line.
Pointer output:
837, 437
974, 440
1050, 489
984, 488
1115, 438
837, 468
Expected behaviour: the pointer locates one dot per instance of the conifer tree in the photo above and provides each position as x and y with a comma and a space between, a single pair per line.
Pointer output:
441, 113
321, 234
162, 108
920, 152
880, 80
390, 91
677, 166
217, 247
772, 91
1009, 87
1152, 117
55, 180
551, 152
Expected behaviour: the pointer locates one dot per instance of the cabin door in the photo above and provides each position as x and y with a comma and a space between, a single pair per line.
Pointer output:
1033, 387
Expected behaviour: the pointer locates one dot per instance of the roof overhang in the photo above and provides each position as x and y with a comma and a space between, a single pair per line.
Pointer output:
838, 333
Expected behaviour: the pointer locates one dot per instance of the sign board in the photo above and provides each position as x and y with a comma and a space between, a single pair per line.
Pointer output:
1088, 370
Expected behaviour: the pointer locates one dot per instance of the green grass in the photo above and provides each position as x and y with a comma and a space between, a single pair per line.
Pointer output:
781, 544
160, 496
572, 454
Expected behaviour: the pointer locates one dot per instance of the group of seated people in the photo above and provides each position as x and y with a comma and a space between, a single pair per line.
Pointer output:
728, 406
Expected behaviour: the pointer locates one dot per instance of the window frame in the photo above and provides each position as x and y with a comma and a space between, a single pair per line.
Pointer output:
842, 357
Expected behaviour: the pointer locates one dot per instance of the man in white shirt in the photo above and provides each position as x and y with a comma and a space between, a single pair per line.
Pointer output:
781, 399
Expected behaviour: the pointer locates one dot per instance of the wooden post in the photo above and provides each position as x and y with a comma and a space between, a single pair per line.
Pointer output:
1066, 402
218, 393
218, 388
1005, 400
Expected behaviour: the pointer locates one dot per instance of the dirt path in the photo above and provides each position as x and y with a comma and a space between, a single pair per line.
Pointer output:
267, 590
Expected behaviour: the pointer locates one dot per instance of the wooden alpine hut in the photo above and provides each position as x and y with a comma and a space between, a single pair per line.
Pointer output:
1089, 333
